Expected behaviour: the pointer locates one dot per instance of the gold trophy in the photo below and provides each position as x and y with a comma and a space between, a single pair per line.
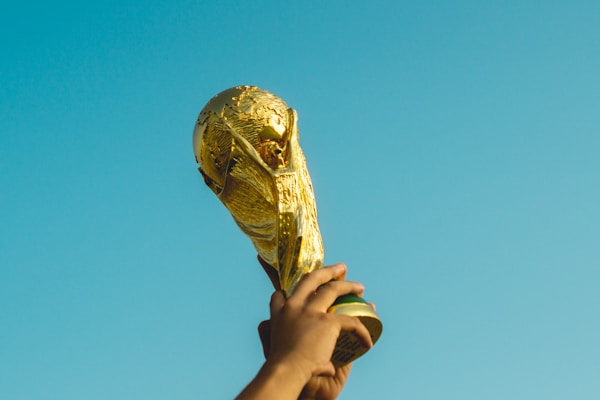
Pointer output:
247, 147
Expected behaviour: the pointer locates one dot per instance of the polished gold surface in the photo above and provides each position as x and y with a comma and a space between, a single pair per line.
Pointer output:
247, 147
246, 143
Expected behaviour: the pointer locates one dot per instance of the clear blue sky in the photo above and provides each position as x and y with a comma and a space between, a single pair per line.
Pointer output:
454, 149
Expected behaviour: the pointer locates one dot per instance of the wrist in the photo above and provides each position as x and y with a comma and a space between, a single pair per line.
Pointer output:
278, 379
289, 367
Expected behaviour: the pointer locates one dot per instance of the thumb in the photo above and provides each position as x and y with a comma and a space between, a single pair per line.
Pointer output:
277, 302
264, 332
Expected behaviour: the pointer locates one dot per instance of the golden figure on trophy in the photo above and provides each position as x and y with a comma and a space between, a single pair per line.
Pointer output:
247, 146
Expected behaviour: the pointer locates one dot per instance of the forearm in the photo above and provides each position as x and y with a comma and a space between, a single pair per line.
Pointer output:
276, 381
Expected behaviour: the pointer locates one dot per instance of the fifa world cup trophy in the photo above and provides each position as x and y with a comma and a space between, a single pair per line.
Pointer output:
247, 146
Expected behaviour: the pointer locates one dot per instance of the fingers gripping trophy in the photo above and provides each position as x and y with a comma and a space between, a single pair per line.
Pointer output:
247, 146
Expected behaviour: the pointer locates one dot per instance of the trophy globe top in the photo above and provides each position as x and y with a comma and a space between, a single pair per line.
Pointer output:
243, 115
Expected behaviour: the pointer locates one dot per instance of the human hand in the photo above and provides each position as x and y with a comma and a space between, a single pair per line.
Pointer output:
327, 387
318, 387
300, 328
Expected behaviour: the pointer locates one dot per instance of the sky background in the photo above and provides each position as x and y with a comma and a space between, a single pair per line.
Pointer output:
454, 151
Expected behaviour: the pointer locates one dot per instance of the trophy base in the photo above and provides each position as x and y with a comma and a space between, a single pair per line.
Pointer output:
348, 348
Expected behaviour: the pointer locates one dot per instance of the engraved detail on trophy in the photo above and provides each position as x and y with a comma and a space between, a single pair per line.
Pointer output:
246, 143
